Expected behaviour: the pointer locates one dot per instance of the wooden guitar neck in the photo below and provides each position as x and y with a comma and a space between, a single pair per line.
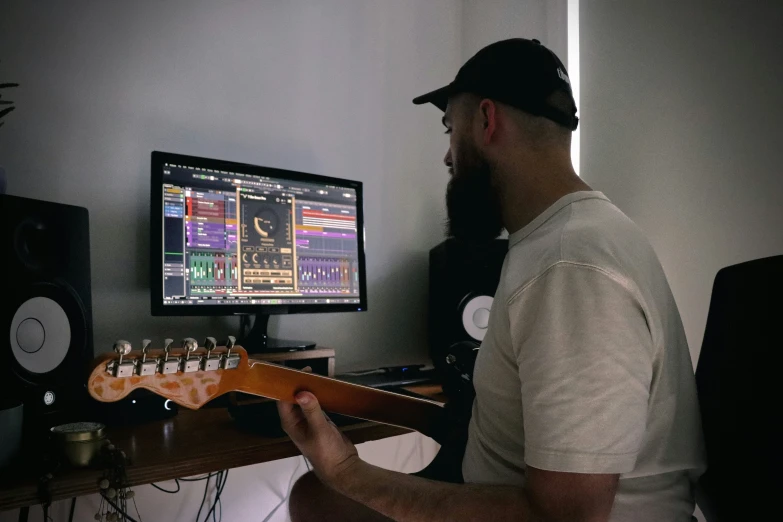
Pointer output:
280, 383
191, 377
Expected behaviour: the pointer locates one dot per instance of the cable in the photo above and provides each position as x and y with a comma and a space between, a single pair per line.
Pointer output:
120, 511
73, 506
220, 484
211, 511
271, 513
217, 502
136, 508
288, 493
176, 481
204, 498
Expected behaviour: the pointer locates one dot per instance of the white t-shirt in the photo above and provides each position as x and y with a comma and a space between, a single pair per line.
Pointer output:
585, 366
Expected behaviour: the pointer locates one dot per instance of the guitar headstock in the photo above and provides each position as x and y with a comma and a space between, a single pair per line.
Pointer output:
189, 375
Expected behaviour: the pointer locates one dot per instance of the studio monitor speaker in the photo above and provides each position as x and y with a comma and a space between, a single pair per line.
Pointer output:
463, 280
47, 314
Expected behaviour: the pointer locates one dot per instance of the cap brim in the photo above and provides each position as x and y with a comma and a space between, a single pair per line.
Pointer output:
439, 97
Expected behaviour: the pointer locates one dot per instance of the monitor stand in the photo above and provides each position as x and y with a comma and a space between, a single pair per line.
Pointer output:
257, 340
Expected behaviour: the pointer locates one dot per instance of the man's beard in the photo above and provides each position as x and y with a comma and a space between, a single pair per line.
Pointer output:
472, 203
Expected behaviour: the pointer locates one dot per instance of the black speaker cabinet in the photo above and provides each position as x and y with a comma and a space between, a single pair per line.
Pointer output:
47, 314
463, 280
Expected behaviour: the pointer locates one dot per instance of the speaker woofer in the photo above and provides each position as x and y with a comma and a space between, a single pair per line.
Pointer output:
475, 315
48, 325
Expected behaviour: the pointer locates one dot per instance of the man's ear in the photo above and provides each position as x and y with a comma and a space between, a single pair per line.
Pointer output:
488, 118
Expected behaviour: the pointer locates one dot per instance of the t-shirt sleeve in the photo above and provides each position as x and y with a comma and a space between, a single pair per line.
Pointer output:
584, 350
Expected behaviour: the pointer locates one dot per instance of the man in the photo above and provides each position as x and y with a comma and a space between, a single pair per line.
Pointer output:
585, 404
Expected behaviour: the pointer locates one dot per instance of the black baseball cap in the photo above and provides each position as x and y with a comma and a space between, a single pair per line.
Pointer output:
519, 72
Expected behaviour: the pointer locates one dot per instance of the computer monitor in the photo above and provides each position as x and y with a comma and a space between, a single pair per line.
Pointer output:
231, 238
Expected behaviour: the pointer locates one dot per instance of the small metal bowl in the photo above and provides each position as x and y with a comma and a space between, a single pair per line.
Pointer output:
79, 442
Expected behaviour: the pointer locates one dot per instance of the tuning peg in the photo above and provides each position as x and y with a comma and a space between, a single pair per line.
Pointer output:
144, 367
210, 343
210, 363
167, 347
123, 369
230, 361
189, 344
190, 365
122, 348
167, 366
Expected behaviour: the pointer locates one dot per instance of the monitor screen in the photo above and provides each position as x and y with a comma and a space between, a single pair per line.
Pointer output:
236, 238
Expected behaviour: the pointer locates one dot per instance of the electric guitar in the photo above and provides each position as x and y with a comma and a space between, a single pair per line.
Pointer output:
192, 376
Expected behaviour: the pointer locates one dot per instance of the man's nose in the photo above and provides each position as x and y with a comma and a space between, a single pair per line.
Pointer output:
447, 158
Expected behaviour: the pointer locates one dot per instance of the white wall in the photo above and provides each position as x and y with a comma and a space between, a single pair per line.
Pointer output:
487, 21
681, 128
321, 87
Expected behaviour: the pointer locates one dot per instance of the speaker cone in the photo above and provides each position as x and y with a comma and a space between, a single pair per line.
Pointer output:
47, 324
475, 315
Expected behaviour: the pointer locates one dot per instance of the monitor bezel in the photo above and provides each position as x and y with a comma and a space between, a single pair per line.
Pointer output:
159, 158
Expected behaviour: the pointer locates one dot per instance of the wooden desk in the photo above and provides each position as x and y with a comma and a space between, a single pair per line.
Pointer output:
192, 443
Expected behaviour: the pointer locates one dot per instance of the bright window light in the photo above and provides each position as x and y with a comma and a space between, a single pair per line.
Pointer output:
573, 73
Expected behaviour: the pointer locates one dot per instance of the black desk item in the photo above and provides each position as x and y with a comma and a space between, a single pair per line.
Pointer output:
463, 280
386, 378
47, 311
230, 238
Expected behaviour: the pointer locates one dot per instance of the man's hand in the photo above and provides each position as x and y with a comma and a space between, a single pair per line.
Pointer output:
317, 437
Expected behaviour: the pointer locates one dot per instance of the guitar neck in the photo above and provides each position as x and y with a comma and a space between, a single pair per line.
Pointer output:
192, 377
280, 383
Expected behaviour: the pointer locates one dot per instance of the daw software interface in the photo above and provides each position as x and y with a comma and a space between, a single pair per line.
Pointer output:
234, 238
